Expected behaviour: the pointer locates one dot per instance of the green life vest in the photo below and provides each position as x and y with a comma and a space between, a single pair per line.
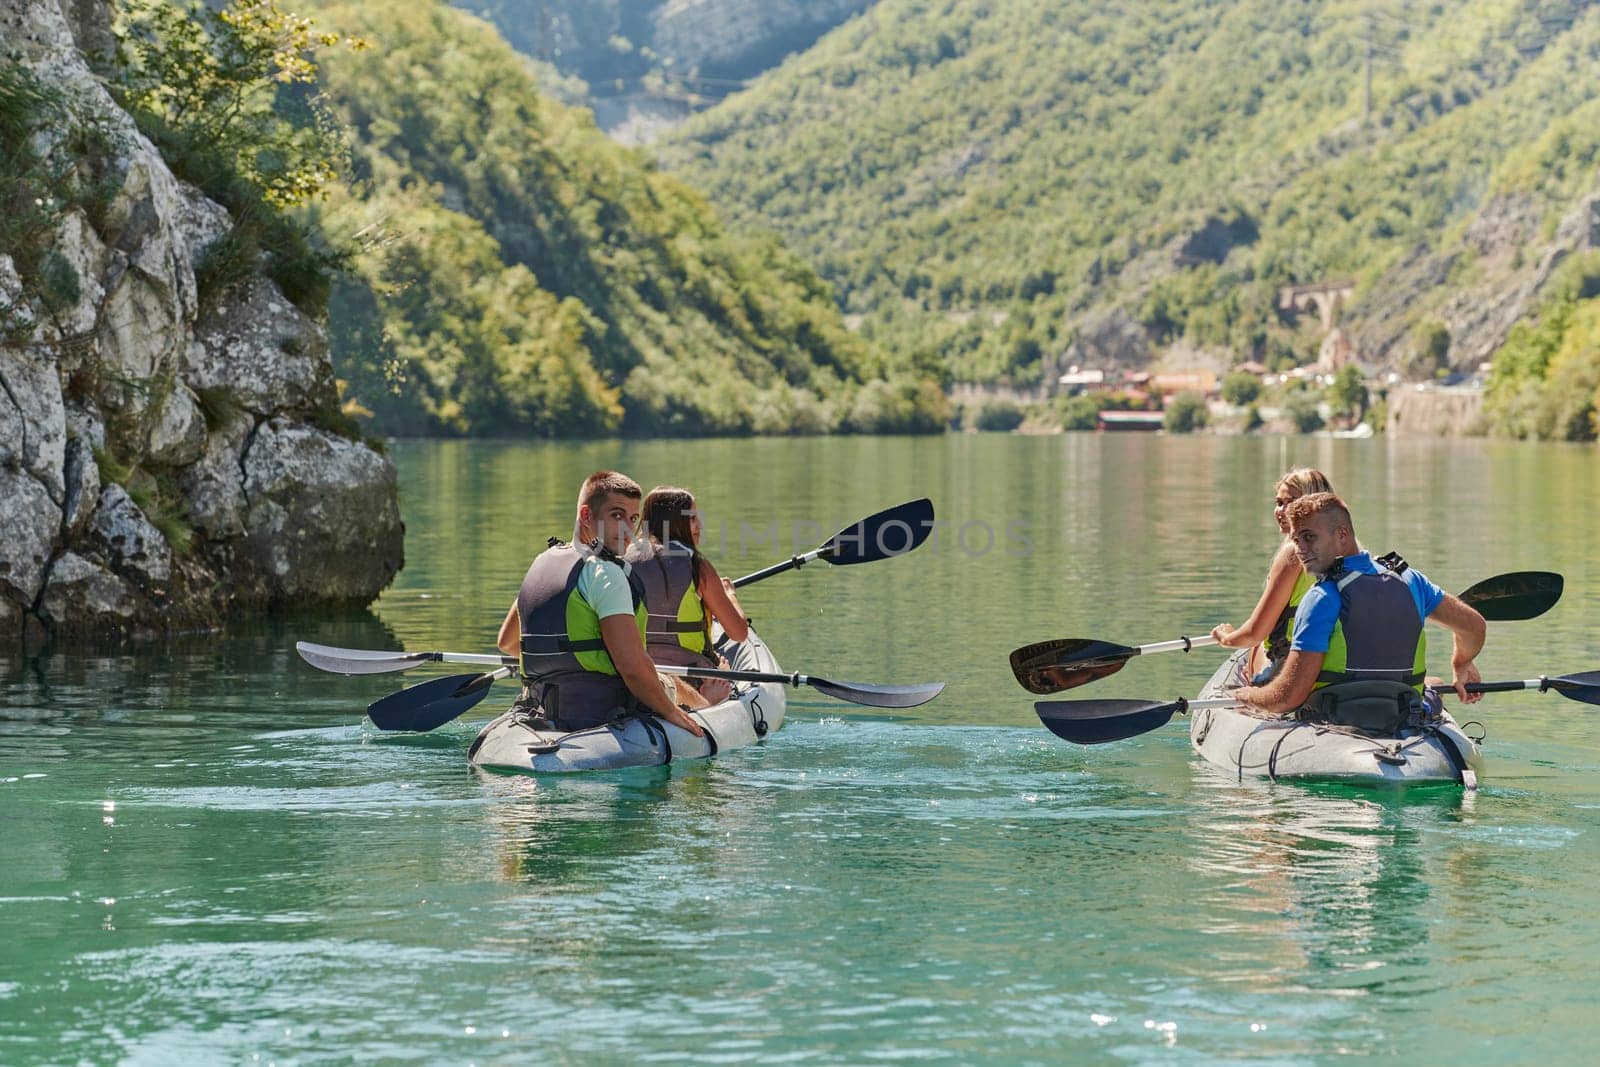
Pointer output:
566, 670
678, 630
1276, 646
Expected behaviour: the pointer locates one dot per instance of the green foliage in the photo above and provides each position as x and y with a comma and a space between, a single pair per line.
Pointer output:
1186, 413
1078, 412
1179, 161
1303, 411
1347, 393
1544, 378
1240, 388
521, 274
225, 96
998, 415
37, 192
225, 82
1378, 412
1429, 354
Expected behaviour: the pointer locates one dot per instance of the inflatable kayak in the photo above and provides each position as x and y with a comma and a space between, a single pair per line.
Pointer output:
512, 742
1239, 742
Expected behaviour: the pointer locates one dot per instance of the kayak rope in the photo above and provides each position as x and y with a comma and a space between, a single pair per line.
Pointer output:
758, 715
1394, 751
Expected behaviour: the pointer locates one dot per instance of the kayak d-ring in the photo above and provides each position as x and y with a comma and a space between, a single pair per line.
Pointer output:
1483, 731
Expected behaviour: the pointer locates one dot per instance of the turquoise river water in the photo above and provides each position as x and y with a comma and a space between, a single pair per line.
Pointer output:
208, 857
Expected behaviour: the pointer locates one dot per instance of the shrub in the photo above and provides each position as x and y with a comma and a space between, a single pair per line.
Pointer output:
998, 415
1241, 388
1186, 412
1347, 393
1303, 412
1429, 354
223, 95
1078, 412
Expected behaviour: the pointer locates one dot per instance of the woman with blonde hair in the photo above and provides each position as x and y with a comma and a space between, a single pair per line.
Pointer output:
683, 591
1268, 625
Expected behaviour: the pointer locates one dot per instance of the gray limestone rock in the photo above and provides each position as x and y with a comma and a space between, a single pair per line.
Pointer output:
200, 222
213, 486
84, 595
33, 418
262, 351
84, 421
30, 524
83, 485
178, 433
129, 372
322, 518
131, 544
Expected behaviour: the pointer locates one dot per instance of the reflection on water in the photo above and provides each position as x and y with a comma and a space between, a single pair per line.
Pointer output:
209, 857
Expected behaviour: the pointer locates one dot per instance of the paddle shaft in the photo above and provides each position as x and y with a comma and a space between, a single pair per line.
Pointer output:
1183, 704
1185, 644
1182, 644
787, 565
862, 542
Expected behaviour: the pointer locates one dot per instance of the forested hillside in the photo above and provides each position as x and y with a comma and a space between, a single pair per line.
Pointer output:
604, 40
519, 273
1007, 184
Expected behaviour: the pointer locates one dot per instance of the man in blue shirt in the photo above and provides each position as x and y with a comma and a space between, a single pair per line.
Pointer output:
1325, 543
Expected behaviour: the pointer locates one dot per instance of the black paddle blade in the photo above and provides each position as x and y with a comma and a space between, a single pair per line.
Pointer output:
892, 532
1066, 663
430, 705
1095, 722
877, 696
1582, 687
1516, 596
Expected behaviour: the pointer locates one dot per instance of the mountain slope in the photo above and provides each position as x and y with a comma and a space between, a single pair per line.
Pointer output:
1005, 184
531, 276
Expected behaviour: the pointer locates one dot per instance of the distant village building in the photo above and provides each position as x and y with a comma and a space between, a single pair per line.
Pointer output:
1166, 383
1077, 380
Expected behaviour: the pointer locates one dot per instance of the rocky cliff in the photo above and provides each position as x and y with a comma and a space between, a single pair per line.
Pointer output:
164, 460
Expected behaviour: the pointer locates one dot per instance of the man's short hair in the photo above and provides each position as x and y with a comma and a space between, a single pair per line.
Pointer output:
1301, 511
600, 484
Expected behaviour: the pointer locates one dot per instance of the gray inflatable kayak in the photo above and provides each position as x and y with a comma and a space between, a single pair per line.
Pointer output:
1241, 743
755, 710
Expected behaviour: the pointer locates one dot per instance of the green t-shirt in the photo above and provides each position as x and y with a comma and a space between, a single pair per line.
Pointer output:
603, 585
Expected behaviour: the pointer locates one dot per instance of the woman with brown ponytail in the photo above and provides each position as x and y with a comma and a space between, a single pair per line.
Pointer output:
683, 591
1287, 581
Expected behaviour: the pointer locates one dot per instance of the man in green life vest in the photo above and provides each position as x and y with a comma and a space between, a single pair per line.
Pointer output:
1359, 629
578, 622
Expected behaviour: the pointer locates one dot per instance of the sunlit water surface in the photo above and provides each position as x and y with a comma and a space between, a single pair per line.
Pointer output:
207, 857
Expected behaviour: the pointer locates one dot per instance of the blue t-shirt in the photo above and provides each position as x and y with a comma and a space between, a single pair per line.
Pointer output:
1318, 613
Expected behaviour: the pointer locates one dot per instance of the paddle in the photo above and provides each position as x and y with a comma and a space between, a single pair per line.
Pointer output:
1066, 663
892, 532
432, 704
370, 661
1095, 722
